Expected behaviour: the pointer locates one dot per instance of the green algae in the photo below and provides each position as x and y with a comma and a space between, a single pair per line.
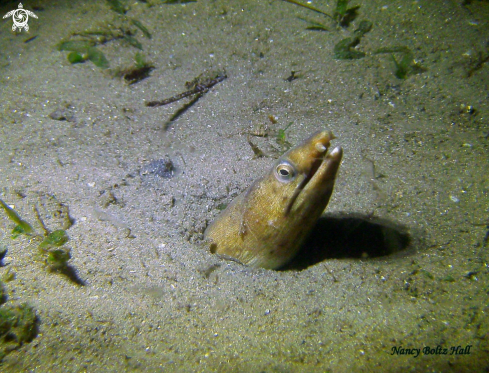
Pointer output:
51, 247
22, 226
18, 325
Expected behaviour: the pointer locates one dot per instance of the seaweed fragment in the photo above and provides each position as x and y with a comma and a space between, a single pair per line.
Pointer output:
140, 26
363, 28
313, 25
402, 67
75, 45
122, 27
133, 41
343, 50
75, 57
22, 226
117, 6
406, 65
57, 259
97, 57
51, 246
54, 239
18, 325
281, 138
344, 15
82, 50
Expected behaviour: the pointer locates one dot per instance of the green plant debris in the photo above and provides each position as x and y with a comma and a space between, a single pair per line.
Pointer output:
140, 26
58, 259
54, 239
117, 6
401, 70
18, 325
82, 50
51, 247
83, 45
8, 276
75, 57
344, 50
100, 36
313, 25
341, 7
402, 67
22, 226
133, 41
363, 28
344, 15
97, 57
281, 138
17, 231
80, 46
57, 256
406, 65
139, 61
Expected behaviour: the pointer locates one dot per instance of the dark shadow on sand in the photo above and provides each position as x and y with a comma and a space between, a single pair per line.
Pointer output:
351, 236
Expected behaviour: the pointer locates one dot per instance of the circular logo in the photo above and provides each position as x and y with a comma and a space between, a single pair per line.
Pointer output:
20, 17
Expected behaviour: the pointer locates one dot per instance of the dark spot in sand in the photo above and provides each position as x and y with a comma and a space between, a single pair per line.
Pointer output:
64, 113
163, 167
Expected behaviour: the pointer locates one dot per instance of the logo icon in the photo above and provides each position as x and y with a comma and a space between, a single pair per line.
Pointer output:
20, 17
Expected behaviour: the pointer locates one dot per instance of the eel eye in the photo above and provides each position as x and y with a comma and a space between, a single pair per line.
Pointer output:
285, 172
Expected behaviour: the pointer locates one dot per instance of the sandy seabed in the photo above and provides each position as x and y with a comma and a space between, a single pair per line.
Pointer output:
144, 294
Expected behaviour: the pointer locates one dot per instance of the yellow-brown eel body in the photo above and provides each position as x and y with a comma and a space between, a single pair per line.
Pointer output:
266, 225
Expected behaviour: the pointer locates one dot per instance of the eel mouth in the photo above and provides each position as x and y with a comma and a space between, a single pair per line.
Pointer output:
321, 176
325, 174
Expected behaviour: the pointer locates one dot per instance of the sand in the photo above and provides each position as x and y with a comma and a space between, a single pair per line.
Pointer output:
148, 296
